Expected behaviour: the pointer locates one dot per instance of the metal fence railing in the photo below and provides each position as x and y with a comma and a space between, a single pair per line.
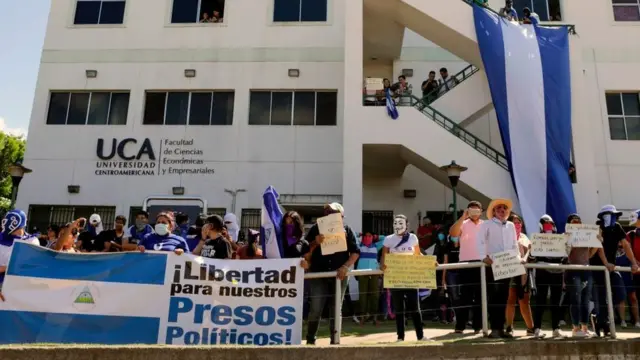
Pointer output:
483, 285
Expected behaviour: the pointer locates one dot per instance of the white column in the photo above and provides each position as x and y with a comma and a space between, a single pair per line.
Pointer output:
352, 97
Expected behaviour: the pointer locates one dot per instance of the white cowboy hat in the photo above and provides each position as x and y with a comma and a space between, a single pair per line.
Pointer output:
609, 209
506, 202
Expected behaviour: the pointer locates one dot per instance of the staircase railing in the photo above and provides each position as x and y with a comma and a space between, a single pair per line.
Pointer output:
448, 124
461, 76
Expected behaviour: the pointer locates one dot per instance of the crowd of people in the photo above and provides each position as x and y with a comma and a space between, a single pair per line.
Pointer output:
458, 296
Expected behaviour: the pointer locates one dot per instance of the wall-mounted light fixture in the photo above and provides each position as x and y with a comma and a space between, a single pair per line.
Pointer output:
294, 72
190, 73
410, 193
407, 72
91, 74
73, 189
178, 190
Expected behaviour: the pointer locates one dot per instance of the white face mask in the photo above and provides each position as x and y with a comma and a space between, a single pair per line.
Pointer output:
162, 229
606, 218
399, 226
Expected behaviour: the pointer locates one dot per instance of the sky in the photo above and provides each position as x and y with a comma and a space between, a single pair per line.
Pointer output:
22, 28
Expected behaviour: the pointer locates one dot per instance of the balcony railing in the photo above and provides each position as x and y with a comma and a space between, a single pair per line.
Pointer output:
448, 124
442, 89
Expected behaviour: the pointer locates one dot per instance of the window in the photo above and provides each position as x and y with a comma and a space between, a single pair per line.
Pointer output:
250, 219
377, 222
88, 107
193, 108
299, 10
293, 107
41, 216
623, 110
547, 10
94, 12
626, 10
197, 11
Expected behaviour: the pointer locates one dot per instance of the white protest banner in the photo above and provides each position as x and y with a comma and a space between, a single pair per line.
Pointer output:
549, 245
506, 264
332, 227
374, 84
583, 235
149, 298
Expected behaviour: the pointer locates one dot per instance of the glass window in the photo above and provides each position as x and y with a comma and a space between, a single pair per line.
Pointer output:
614, 105
185, 11
286, 10
93, 12
177, 107
626, 10
259, 108
58, 105
98, 108
633, 127
616, 127
154, 107
200, 111
222, 112
78, 109
112, 12
304, 108
313, 10
281, 108
631, 104
539, 7
327, 108
87, 12
119, 109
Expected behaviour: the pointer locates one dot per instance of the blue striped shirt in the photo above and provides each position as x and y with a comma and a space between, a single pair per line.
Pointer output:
368, 259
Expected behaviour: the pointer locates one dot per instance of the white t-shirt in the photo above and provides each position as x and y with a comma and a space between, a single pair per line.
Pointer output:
5, 251
409, 248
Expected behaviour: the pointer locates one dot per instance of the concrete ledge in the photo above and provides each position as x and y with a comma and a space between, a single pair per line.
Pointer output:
513, 350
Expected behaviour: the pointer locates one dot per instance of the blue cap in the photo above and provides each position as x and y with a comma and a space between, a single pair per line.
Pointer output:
13, 220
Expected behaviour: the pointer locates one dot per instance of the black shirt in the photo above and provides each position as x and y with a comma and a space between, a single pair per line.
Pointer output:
453, 253
296, 250
430, 87
109, 236
611, 238
90, 242
217, 248
321, 263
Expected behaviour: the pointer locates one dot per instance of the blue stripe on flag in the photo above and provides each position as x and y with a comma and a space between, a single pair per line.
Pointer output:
130, 268
19, 327
554, 55
271, 218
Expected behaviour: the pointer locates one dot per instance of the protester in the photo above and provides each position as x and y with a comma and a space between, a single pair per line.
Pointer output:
251, 251
113, 239
214, 241
137, 231
634, 242
428, 88
498, 235
163, 239
194, 234
405, 301
425, 233
463, 234
53, 232
529, 17
369, 285
68, 235
451, 278
182, 225
231, 222
508, 11
519, 289
88, 240
548, 281
322, 291
13, 225
294, 244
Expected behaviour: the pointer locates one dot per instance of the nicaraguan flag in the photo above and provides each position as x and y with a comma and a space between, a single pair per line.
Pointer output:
392, 110
528, 70
270, 220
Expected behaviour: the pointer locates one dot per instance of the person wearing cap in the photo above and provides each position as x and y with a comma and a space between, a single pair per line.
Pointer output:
463, 235
89, 240
13, 228
613, 236
548, 281
497, 234
322, 291
634, 242
162, 239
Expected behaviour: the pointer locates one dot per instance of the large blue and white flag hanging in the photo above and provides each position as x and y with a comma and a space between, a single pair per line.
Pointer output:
270, 221
529, 77
392, 110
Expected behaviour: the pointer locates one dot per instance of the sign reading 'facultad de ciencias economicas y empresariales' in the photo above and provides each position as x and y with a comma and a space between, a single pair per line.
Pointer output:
133, 157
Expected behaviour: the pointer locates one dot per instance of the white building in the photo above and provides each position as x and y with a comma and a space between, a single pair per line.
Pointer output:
141, 75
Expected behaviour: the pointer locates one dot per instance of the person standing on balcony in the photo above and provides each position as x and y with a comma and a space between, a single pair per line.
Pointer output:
463, 235
428, 88
508, 11
447, 83
529, 17
403, 90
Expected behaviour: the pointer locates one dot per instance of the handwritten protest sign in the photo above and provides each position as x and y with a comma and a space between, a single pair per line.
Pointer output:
410, 272
374, 84
335, 239
507, 264
583, 235
549, 245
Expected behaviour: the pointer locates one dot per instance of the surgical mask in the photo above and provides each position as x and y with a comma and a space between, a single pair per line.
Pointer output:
608, 219
441, 237
140, 224
547, 228
162, 229
454, 239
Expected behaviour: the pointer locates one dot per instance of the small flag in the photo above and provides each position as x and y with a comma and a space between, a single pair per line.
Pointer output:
391, 106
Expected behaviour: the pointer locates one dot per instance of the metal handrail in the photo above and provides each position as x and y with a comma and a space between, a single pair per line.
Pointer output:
571, 28
483, 286
464, 73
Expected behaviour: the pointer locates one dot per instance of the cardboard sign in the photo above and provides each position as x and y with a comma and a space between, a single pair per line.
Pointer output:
410, 272
374, 84
507, 264
583, 235
549, 245
335, 239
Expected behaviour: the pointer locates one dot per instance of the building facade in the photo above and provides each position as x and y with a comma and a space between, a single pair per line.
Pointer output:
140, 97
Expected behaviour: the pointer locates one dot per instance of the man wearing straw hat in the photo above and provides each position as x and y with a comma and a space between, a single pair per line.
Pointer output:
498, 235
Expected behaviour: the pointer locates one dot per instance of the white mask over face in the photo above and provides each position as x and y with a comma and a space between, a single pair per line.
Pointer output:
606, 218
399, 226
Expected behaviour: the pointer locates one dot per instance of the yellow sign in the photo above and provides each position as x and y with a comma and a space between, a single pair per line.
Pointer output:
410, 272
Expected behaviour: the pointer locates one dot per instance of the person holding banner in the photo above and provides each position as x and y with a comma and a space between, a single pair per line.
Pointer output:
519, 286
163, 239
323, 291
405, 301
12, 227
498, 235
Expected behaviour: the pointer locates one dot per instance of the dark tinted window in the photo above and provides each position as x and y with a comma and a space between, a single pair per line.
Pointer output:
313, 10
99, 108
58, 104
119, 109
99, 12
616, 128
633, 127
259, 107
631, 104
222, 113
154, 105
281, 107
177, 105
185, 11
614, 105
78, 109
304, 108
87, 12
112, 12
200, 112
327, 108
286, 10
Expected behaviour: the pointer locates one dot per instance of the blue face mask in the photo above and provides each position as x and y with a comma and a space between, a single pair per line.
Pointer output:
441, 237
454, 239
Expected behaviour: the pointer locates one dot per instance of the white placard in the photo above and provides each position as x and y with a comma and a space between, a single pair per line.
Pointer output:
332, 227
583, 235
549, 245
374, 84
507, 264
